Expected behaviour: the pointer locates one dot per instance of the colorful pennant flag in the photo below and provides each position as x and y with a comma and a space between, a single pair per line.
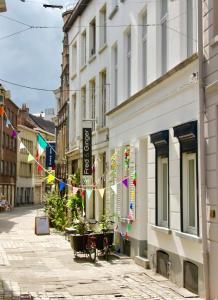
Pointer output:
62, 186
88, 193
114, 188
134, 182
50, 178
130, 215
8, 123
14, 134
22, 146
30, 158
83, 194
41, 145
39, 168
129, 227
83, 205
131, 205
126, 182
101, 192
2, 111
75, 190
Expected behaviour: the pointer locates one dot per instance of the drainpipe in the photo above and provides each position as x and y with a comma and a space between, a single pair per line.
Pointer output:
202, 152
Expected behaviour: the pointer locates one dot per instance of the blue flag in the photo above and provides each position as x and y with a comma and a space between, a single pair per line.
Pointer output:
62, 186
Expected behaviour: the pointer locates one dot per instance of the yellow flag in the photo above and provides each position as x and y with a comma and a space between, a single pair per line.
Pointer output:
101, 192
50, 178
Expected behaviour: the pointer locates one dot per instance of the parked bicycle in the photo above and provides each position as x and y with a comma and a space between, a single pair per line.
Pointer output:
85, 244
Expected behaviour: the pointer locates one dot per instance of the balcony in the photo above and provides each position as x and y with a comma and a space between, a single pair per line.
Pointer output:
2, 6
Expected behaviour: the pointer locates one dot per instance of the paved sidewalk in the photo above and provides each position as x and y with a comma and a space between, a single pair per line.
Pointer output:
44, 267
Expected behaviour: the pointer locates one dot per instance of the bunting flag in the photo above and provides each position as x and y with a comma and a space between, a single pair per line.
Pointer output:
131, 205
62, 186
83, 205
134, 182
14, 134
39, 168
30, 158
83, 194
101, 192
2, 111
41, 145
125, 182
88, 193
130, 215
50, 178
8, 123
114, 188
22, 146
75, 190
129, 227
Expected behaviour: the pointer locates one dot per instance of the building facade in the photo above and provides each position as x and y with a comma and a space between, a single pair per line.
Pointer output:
2, 6
8, 149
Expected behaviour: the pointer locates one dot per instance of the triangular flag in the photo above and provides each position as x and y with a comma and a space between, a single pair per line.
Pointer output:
41, 144
50, 178
22, 146
101, 192
128, 227
39, 168
2, 111
126, 182
75, 190
62, 186
114, 188
83, 194
83, 205
131, 205
89, 193
14, 134
8, 123
30, 158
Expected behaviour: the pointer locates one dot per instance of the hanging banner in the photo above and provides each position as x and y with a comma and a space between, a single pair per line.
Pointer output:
50, 156
87, 151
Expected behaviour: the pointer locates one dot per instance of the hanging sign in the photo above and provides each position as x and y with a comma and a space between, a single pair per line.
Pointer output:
50, 155
87, 151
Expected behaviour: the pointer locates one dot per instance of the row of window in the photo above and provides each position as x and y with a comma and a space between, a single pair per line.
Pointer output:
25, 169
7, 168
28, 144
187, 136
8, 142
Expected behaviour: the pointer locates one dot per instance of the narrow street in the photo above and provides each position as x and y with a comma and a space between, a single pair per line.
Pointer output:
44, 267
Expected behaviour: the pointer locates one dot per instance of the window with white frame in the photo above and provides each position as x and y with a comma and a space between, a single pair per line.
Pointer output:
103, 26
113, 7
92, 103
92, 39
144, 48
164, 35
115, 73
83, 98
128, 63
74, 59
74, 116
190, 28
161, 144
103, 83
187, 136
83, 48
189, 177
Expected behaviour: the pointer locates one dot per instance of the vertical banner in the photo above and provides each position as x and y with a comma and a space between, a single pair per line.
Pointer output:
87, 151
50, 155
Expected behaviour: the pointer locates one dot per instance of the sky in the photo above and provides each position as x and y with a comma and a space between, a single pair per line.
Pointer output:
33, 57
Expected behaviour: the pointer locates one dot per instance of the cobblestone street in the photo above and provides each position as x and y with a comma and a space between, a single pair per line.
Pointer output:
44, 267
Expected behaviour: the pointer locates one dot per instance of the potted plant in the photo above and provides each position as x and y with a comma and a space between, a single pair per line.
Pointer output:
78, 240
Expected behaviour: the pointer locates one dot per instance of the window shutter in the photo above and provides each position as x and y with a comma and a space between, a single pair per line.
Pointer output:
132, 182
119, 180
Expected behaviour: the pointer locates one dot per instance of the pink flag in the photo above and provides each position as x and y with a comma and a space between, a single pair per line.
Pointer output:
126, 182
75, 190
14, 134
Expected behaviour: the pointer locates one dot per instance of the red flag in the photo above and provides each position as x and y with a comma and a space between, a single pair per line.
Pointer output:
39, 168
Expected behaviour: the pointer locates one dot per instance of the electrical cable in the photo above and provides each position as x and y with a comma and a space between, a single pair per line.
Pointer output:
15, 33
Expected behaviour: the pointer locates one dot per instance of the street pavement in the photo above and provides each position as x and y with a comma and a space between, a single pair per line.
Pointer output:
43, 267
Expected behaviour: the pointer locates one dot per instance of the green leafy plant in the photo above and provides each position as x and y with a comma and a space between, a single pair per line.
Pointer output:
75, 205
75, 178
81, 225
106, 222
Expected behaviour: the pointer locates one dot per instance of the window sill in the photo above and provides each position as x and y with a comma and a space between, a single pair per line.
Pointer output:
83, 67
103, 47
92, 58
214, 41
113, 12
161, 229
73, 76
189, 236
125, 220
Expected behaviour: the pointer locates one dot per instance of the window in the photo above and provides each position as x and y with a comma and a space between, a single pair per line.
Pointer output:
125, 174
190, 10
74, 116
92, 38
83, 48
187, 136
215, 17
103, 98
83, 96
164, 50
128, 62
113, 8
115, 73
144, 49
103, 26
92, 102
161, 144
74, 59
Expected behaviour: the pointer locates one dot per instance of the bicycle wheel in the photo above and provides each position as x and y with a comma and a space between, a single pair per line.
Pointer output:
92, 254
106, 248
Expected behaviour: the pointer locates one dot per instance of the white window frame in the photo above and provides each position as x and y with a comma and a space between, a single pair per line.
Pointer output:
92, 37
190, 27
115, 73
92, 92
83, 102
185, 177
164, 40
74, 59
83, 48
144, 49
128, 62
103, 77
74, 116
103, 26
160, 181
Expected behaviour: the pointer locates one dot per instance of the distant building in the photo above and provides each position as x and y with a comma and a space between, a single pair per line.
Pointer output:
2, 6
8, 148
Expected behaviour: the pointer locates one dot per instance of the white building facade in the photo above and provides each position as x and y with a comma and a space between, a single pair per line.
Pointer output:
134, 78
